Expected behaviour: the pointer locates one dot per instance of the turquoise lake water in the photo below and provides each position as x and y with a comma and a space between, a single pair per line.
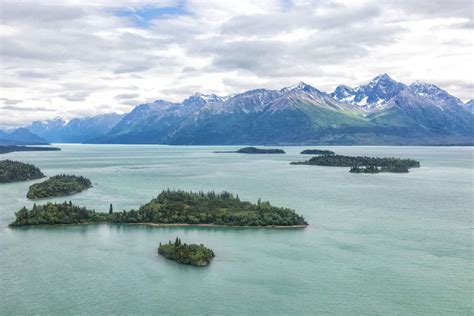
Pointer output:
383, 244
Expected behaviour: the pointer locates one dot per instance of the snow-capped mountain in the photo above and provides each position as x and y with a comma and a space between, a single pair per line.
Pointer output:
383, 92
372, 95
434, 92
383, 111
76, 130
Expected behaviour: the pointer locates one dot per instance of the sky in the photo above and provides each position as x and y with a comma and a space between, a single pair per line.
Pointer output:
76, 58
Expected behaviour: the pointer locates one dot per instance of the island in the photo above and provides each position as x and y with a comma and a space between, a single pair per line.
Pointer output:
252, 150
172, 208
362, 164
192, 254
13, 148
13, 171
317, 152
60, 185
199, 208
57, 214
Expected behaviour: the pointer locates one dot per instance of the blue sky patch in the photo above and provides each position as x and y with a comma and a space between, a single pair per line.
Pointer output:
141, 16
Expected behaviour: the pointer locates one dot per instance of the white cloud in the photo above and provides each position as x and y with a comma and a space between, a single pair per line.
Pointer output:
70, 58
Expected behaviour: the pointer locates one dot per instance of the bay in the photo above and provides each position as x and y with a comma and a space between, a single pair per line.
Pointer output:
377, 244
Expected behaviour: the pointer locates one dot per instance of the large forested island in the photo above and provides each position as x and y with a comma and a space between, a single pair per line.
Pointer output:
253, 150
13, 148
317, 152
60, 185
196, 255
13, 171
212, 208
172, 208
362, 164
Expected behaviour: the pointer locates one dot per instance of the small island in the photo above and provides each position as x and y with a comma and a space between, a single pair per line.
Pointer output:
13, 171
253, 150
317, 152
192, 254
57, 214
12, 148
362, 164
60, 185
172, 208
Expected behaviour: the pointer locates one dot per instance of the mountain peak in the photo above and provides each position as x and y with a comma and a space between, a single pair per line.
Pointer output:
383, 78
202, 98
433, 91
374, 94
301, 86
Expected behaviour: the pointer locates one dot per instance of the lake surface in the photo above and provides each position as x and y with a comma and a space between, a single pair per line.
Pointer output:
385, 244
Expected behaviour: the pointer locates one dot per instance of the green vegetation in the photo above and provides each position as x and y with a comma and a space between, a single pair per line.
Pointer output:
172, 207
59, 185
317, 152
363, 164
396, 168
253, 150
196, 255
13, 171
13, 148
54, 213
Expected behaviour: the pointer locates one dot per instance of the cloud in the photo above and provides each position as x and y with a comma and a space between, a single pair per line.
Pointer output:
26, 109
126, 96
33, 74
10, 101
74, 56
75, 96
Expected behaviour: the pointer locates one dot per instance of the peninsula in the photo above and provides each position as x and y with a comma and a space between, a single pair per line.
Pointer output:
13, 171
192, 254
60, 185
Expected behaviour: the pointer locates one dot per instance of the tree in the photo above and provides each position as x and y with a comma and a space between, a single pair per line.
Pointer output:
111, 209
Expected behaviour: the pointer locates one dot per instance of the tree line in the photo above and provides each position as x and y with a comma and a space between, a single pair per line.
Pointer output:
170, 207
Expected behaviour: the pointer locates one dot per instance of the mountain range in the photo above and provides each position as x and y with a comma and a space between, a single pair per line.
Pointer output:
382, 112
21, 136
76, 130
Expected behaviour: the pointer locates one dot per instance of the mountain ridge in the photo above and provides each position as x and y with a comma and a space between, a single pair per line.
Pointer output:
381, 112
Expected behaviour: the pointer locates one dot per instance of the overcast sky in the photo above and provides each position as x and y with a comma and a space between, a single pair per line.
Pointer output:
79, 58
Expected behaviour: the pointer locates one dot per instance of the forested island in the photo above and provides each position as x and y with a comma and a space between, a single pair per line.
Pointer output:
57, 213
196, 255
13, 171
362, 164
60, 185
226, 209
13, 148
317, 152
172, 208
252, 150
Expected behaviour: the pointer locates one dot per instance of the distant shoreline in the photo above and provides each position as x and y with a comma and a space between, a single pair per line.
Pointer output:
277, 145
5, 149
